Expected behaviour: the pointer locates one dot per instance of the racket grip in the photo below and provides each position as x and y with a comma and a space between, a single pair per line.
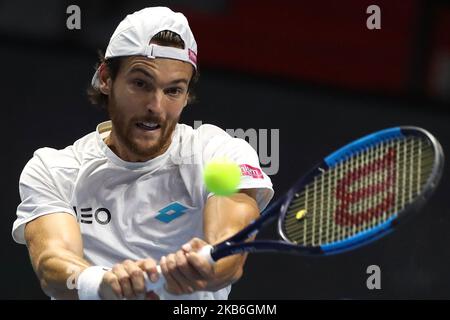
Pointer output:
205, 252
152, 286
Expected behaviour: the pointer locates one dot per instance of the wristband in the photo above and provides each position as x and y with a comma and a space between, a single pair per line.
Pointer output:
88, 283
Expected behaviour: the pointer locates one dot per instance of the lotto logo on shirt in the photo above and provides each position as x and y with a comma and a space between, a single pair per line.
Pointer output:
248, 170
171, 212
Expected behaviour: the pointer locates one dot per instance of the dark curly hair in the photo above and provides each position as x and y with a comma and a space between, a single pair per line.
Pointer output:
163, 38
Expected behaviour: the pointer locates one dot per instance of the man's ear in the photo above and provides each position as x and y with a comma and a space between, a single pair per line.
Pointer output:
105, 79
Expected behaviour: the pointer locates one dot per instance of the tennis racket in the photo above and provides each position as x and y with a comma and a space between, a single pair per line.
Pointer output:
354, 196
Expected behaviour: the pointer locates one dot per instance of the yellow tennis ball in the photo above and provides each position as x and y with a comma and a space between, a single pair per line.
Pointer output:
222, 177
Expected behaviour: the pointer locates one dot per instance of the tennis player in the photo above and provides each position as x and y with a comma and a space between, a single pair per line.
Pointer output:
100, 214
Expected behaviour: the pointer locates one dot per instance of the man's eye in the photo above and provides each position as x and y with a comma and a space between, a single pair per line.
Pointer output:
174, 91
139, 83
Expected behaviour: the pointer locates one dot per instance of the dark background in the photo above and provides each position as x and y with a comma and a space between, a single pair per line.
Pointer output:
308, 68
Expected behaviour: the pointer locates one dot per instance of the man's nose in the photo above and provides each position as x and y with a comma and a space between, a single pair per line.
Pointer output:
154, 102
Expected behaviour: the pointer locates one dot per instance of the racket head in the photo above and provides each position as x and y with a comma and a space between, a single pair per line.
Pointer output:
360, 192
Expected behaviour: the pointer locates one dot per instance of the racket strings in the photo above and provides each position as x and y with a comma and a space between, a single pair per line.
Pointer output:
360, 192
364, 182
344, 235
364, 224
428, 161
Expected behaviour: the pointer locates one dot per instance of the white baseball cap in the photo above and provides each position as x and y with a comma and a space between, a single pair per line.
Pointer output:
132, 37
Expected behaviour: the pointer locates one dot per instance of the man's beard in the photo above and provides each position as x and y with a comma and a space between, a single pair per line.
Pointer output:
122, 131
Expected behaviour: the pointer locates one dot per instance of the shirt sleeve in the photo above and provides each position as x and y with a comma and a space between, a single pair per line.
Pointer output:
219, 145
40, 194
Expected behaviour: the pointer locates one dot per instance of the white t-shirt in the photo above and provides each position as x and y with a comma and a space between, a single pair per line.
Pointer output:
134, 210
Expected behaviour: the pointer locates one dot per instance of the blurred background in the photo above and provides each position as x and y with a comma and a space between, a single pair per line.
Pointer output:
311, 69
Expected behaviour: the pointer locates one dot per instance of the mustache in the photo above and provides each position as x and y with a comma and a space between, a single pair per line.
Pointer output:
148, 119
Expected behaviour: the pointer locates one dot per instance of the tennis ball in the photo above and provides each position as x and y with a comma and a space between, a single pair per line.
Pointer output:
222, 177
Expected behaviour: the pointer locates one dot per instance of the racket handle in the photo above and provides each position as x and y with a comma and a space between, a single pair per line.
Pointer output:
205, 252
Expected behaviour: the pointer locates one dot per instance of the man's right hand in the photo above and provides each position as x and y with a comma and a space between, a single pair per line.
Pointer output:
126, 280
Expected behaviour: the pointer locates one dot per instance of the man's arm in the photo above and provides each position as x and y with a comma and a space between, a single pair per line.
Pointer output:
186, 271
224, 217
56, 251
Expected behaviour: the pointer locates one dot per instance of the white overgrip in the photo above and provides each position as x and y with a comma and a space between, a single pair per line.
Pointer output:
152, 286
205, 252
